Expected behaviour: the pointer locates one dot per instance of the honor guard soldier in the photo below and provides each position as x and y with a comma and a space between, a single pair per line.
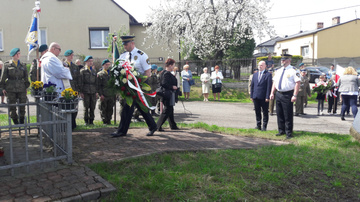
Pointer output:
74, 83
140, 61
304, 91
286, 83
34, 66
107, 97
14, 82
88, 89
153, 83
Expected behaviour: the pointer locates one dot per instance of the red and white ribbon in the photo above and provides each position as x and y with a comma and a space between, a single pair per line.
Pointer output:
140, 93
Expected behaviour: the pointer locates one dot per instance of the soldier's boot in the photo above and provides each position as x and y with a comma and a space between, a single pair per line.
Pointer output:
16, 121
86, 121
22, 120
91, 121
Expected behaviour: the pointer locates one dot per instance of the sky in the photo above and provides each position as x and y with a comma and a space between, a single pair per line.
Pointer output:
325, 9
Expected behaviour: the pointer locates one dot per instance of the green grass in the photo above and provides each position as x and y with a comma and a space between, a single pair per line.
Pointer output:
315, 167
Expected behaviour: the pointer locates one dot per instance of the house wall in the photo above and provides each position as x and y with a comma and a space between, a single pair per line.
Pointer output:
155, 52
294, 45
340, 41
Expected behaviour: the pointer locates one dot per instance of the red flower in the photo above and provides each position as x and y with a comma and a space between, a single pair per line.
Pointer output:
128, 93
134, 96
139, 80
123, 88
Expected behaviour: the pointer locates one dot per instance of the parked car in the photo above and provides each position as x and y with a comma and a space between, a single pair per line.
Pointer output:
313, 73
324, 70
358, 70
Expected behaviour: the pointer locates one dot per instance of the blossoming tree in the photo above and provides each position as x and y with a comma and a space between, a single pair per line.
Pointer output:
208, 26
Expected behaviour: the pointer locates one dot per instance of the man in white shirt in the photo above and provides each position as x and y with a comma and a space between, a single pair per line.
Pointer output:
286, 83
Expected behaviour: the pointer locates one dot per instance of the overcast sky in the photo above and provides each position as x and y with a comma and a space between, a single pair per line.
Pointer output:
279, 8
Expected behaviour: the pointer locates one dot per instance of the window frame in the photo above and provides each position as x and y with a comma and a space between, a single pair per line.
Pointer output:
102, 29
40, 42
302, 51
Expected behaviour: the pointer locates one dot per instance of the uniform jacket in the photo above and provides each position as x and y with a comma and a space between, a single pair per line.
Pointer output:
139, 59
102, 84
14, 79
262, 89
304, 89
75, 73
153, 82
33, 71
88, 80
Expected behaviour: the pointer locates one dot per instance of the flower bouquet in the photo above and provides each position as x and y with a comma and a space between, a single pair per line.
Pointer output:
36, 88
323, 88
68, 99
127, 81
50, 92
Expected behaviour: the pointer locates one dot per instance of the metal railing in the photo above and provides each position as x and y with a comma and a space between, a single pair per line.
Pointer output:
31, 146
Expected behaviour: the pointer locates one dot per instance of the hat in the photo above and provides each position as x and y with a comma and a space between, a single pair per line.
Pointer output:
303, 70
154, 66
301, 64
159, 69
105, 61
286, 56
43, 48
126, 39
88, 58
14, 51
68, 52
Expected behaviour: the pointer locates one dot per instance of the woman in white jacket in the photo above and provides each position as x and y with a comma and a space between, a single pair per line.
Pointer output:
216, 77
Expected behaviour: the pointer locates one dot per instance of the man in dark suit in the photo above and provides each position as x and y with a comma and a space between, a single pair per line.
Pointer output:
260, 92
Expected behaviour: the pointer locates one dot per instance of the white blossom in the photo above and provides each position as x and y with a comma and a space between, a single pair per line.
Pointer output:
124, 80
209, 26
135, 73
123, 71
116, 72
129, 77
117, 82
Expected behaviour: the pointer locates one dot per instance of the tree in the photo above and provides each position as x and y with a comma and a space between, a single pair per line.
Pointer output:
209, 27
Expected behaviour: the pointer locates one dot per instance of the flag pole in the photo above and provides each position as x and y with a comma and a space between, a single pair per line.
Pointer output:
113, 55
38, 10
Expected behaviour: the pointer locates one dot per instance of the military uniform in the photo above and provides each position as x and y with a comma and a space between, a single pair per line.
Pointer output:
14, 79
33, 71
106, 106
304, 91
88, 86
153, 83
75, 85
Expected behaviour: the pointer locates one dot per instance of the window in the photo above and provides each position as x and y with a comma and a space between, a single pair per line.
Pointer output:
1, 41
43, 36
285, 51
98, 38
305, 51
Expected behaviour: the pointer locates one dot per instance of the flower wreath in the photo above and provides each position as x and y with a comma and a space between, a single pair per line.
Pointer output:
131, 85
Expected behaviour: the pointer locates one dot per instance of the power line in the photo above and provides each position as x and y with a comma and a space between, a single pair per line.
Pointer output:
312, 13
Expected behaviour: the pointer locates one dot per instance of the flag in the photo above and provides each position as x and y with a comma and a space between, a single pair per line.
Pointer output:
32, 38
116, 54
339, 72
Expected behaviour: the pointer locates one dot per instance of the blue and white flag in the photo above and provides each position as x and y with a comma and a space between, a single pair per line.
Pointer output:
32, 38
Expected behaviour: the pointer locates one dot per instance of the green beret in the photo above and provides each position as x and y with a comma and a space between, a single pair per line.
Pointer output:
43, 48
68, 52
159, 69
14, 51
153, 66
301, 64
126, 39
104, 62
88, 58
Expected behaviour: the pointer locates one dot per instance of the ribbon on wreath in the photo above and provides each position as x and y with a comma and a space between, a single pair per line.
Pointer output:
140, 93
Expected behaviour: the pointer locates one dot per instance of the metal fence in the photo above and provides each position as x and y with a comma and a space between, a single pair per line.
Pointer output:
36, 145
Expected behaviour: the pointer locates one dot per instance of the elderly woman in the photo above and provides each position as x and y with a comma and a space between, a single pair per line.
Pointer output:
186, 77
176, 73
216, 77
349, 90
205, 81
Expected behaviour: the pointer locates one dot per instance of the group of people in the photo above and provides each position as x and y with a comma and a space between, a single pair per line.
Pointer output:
289, 85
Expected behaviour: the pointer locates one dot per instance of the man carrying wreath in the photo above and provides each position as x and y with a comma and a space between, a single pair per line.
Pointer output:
140, 61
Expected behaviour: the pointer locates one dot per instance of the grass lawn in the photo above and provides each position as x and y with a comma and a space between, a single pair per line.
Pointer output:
315, 167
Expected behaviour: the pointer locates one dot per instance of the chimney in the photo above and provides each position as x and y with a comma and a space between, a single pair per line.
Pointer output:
336, 20
319, 25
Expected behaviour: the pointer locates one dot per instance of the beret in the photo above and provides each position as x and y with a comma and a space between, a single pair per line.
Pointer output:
14, 51
301, 64
126, 39
104, 62
154, 66
159, 69
68, 52
88, 58
43, 48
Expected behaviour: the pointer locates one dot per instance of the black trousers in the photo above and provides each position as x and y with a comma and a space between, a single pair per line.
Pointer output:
333, 102
167, 113
284, 112
126, 115
261, 105
73, 120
